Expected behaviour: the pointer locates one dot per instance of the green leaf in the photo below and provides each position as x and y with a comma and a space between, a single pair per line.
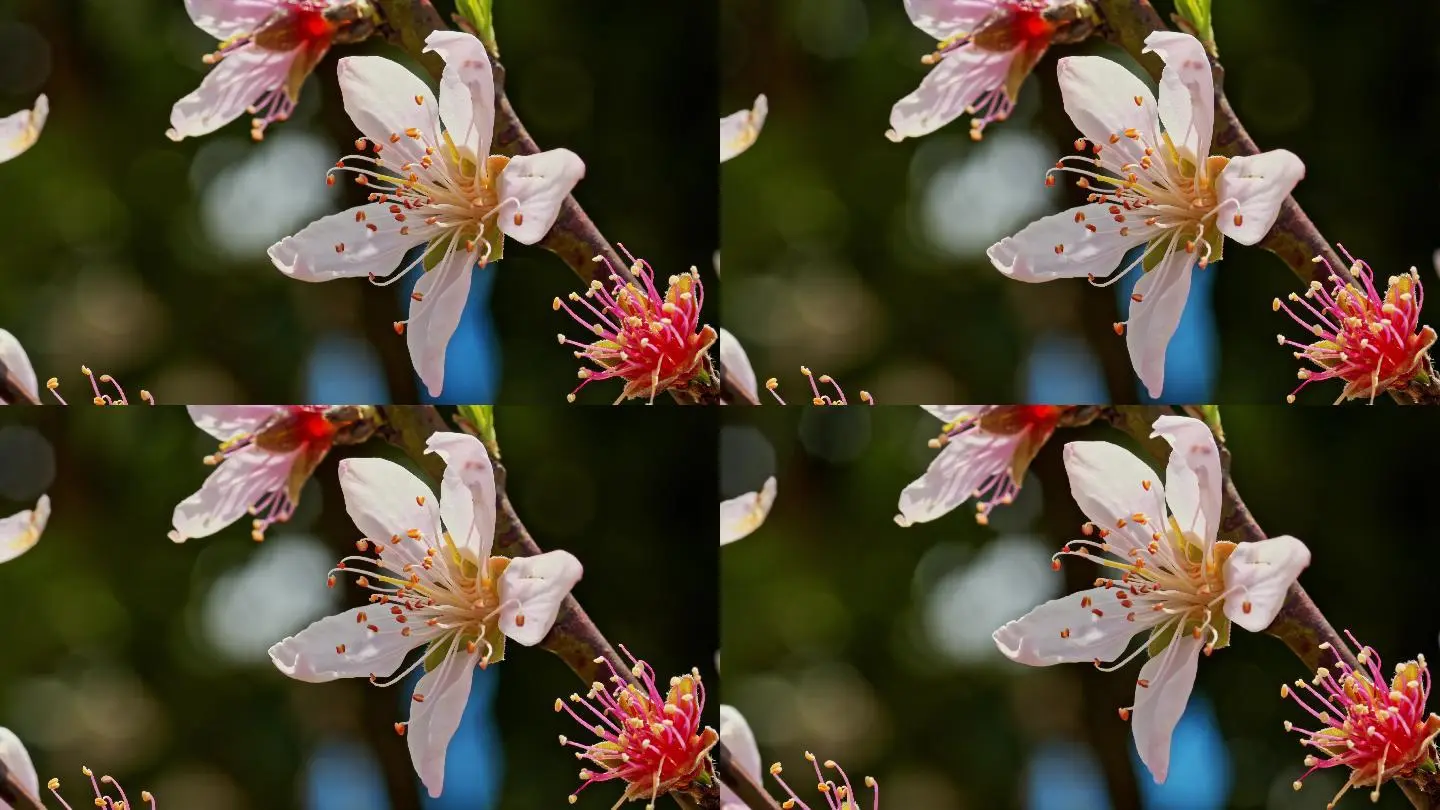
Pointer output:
1196, 14
478, 13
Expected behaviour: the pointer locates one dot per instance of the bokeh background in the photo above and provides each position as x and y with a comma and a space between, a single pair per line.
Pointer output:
866, 259
869, 644
146, 258
147, 660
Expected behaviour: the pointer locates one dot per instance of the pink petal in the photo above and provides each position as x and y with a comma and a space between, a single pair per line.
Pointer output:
1260, 574
229, 492
385, 500
1066, 630
467, 90
964, 463
17, 761
1030, 254
311, 655
379, 97
434, 318
228, 90
1187, 91
312, 254
532, 188
1158, 706
1108, 484
18, 363
1192, 477
1100, 98
225, 422
953, 413
223, 19
1153, 320
743, 514
20, 131
21, 531
531, 591
948, 90
739, 130
1253, 187
942, 19
735, 364
434, 720
467, 493
740, 742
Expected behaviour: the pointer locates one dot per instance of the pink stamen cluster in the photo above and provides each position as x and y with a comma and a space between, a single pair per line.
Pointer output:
651, 341
816, 397
1372, 342
102, 799
1378, 731
838, 795
53, 384
655, 744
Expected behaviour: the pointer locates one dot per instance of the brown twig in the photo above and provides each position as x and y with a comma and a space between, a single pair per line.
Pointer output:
746, 788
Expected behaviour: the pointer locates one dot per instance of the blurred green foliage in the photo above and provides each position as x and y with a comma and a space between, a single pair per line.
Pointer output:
830, 230
869, 644
112, 657
146, 258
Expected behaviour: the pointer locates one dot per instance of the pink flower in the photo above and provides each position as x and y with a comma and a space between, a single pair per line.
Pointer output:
986, 49
651, 341
984, 452
839, 794
1161, 189
1372, 342
1179, 588
432, 585
266, 455
1379, 731
20, 131
655, 743
267, 49
434, 183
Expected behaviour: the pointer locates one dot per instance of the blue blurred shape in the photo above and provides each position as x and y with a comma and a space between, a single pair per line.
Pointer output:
1200, 772
472, 362
475, 760
1064, 774
1062, 369
344, 775
1190, 361
344, 370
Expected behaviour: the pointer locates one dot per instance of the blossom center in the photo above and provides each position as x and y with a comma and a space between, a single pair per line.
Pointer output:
1014, 24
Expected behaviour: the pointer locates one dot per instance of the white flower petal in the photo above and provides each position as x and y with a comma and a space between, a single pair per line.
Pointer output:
434, 318
1253, 187
532, 188
739, 740
1066, 630
313, 655
229, 492
1155, 317
1192, 476
1187, 91
20, 131
1108, 484
531, 591
467, 492
315, 253
739, 130
1099, 97
17, 761
21, 531
225, 422
13, 355
1158, 706
735, 364
948, 90
379, 96
942, 19
228, 90
467, 90
741, 515
1031, 255
434, 720
1258, 575
223, 19
386, 500
953, 413
965, 463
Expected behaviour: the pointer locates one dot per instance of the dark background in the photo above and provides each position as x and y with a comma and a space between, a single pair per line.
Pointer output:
146, 660
146, 258
869, 644
830, 261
